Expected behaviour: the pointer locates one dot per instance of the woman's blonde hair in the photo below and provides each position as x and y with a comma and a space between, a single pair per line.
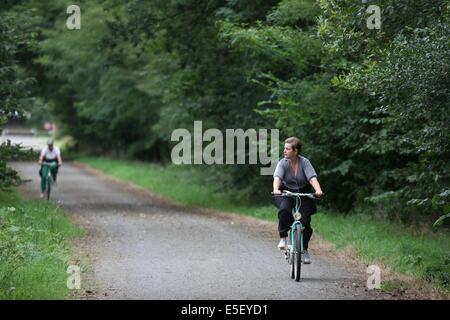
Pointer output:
295, 143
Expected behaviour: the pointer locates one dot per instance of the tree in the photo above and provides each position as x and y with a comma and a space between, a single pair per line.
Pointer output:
12, 90
403, 71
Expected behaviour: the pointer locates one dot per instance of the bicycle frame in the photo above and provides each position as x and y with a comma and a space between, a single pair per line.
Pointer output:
297, 216
48, 177
294, 253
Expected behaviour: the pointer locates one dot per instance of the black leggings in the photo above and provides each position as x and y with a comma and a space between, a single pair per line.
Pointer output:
285, 218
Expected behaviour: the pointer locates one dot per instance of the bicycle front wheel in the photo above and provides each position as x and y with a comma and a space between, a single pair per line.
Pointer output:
49, 187
291, 253
298, 252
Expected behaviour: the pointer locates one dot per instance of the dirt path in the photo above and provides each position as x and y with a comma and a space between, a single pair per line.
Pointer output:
143, 248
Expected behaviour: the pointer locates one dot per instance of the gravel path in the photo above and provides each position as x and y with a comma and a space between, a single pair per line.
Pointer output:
143, 248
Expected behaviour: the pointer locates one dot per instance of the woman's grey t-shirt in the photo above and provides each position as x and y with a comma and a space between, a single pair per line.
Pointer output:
304, 174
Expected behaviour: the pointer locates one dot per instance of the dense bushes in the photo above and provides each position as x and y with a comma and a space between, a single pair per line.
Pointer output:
11, 92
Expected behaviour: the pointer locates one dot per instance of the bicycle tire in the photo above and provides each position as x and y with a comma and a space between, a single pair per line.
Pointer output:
49, 187
291, 256
298, 252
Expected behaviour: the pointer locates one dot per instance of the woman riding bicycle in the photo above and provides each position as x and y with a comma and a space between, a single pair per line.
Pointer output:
49, 154
295, 173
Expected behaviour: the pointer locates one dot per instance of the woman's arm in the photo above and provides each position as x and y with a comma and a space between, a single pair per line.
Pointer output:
41, 158
316, 185
276, 185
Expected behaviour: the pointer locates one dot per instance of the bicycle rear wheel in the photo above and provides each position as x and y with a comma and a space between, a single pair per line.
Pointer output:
298, 252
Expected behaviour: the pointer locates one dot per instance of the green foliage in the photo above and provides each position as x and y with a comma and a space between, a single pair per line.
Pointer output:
403, 72
441, 219
12, 88
423, 255
8, 176
33, 249
371, 106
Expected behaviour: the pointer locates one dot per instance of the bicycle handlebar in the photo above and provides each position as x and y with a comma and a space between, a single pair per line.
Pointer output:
49, 164
295, 194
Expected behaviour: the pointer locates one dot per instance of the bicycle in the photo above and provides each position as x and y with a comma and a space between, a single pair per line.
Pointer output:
293, 252
48, 178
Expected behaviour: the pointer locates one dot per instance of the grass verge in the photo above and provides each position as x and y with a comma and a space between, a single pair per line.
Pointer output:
424, 255
34, 250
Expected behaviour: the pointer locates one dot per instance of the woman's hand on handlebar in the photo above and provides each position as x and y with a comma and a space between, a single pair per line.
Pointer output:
319, 194
276, 192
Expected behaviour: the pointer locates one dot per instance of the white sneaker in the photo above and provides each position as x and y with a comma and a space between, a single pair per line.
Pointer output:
282, 244
42, 196
306, 258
